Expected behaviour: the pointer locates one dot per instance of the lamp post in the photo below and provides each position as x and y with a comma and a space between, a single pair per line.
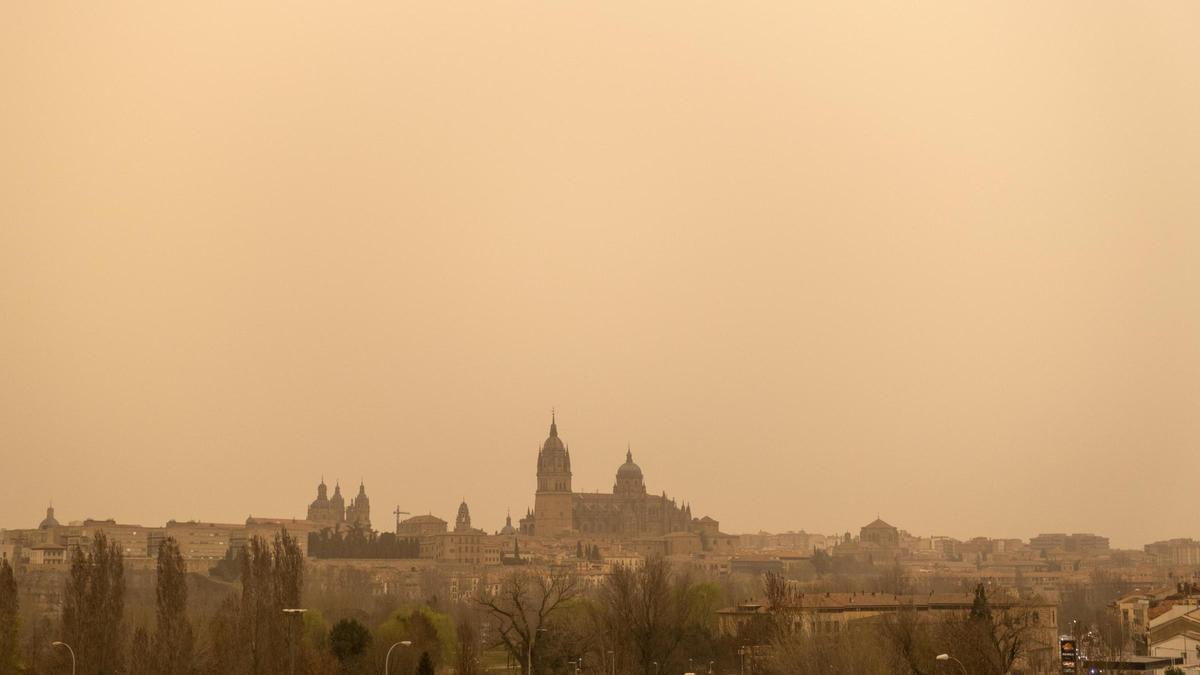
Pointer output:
298, 613
947, 657
532, 637
613, 656
656, 668
63, 644
387, 659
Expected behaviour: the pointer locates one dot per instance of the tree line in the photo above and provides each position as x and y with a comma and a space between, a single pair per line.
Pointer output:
356, 542
657, 619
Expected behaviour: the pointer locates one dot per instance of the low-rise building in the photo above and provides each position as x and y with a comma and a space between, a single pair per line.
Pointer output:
829, 613
1176, 633
465, 545
47, 554
196, 540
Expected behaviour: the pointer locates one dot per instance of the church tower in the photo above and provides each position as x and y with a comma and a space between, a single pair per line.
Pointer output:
553, 502
358, 514
337, 504
462, 523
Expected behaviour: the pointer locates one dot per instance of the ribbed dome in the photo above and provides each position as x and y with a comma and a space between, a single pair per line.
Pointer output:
629, 469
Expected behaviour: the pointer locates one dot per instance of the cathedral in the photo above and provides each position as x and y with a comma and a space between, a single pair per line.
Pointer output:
333, 512
627, 513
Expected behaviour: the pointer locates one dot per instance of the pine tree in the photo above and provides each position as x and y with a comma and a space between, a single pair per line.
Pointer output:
174, 641
980, 609
8, 620
579, 550
425, 667
348, 639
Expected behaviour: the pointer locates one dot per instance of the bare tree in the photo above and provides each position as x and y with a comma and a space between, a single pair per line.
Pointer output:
522, 606
469, 652
650, 612
993, 641
911, 639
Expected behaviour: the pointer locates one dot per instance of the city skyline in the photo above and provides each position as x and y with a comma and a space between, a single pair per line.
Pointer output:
383, 513
813, 263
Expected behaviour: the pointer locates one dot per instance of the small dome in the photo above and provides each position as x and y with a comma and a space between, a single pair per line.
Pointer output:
49, 521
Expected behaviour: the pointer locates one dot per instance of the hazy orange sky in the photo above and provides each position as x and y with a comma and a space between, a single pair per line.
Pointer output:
936, 261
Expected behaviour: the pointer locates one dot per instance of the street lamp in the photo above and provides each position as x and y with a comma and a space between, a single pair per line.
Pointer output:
63, 644
388, 658
656, 668
532, 637
298, 613
947, 657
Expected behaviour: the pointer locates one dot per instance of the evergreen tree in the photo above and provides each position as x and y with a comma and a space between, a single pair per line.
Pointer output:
8, 620
425, 667
579, 550
348, 639
174, 642
228, 568
980, 610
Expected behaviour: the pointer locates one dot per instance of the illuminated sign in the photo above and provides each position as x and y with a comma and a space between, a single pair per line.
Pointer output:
1069, 652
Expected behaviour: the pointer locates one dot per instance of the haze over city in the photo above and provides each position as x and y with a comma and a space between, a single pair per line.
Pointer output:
935, 262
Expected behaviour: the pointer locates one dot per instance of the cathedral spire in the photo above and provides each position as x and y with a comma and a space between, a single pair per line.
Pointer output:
628, 453
553, 424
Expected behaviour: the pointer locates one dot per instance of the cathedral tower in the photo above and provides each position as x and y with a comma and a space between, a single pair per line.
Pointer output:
358, 514
552, 505
337, 504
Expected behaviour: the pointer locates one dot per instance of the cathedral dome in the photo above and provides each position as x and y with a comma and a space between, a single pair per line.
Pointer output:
629, 478
629, 469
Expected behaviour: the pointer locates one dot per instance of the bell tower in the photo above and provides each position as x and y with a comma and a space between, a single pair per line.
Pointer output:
553, 510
